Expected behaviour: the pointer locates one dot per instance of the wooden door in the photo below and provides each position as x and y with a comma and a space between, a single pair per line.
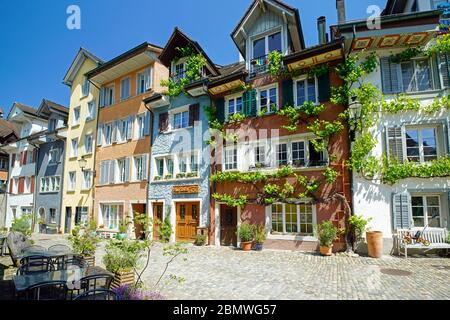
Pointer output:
228, 226
157, 217
187, 220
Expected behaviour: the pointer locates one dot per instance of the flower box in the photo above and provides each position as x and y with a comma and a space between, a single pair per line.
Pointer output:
123, 278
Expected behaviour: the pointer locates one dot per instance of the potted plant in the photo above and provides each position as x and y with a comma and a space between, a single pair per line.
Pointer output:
42, 225
168, 177
181, 175
123, 229
144, 222
245, 233
260, 235
326, 233
358, 226
122, 258
84, 243
157, 178
200, 240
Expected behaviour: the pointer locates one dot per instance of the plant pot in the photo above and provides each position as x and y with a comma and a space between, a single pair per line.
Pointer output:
258, 246
326, 251
246, 246
375, 243
122, 278
90, 260
43, 228
121, 236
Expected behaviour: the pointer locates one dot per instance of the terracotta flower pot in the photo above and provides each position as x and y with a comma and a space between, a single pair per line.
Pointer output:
246, 246
326, 251
375, 243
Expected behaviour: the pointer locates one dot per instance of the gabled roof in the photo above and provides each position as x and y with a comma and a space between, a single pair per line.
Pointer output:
296, 32
81, 56
179, 39
394, 7
8, 131
47, 107
143, 47
228, 72
24, 108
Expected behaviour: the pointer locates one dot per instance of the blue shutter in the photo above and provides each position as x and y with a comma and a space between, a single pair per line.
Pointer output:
390, 75
102, 97
147, 124
401, 213
100, 135
148, 78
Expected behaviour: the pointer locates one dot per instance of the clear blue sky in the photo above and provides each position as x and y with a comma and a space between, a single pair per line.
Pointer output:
36, 48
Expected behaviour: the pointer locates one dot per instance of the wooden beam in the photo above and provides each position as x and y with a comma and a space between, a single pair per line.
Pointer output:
262, 5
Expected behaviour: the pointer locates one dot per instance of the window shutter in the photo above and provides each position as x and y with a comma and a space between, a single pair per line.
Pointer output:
115, 128
163, 122
287, 93
21, 185
220, 109
102, 172
13, 160
147, 124
444, 69
11, 184
394, 143
145, 167
32, 184
100, 135
102, 97
130, 127
250, 103
113, 96
390, 75
324, 85
401, 210
111, 173
194, 114
35, 155
127, 169
148, 78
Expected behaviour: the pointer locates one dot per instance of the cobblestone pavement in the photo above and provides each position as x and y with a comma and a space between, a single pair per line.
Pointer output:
225, 273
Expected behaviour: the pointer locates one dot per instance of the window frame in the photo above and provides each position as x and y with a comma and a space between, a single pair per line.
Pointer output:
420, 128
233, 98
91, 114
73, 150
305, 80
292, 235
234, 165
425, 207
122, 81
86, 151
107, 125
414, 62
76, 121
266, 36
267, 89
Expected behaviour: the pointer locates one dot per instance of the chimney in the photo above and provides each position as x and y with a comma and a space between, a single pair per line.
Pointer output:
1, 113
340, 6
321, 29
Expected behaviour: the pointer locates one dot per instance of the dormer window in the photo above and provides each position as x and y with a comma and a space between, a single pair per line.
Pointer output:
178, 73
261, 48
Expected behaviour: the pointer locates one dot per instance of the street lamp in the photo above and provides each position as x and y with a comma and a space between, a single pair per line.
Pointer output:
82, 163
354, 112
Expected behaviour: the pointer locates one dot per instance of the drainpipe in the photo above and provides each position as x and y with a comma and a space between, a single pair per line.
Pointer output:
94, 175
147, 200
33, 220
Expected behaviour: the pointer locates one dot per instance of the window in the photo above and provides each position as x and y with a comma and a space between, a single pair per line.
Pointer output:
85, 88
122, 170
267, 44
268, 100
72, 181
74, 149
29, 156
260, 156
426, 211
50, 184
416, 75
169, 166
306, 90
54, 156
181, 120
234, 105
108, 133
315, 159
282, 154
298, 154
76, 116
110, 215
87, 180
140, 82
108, 96
91, 110
230, 158
139, 168
27, 210
178, 72
81, 215
88, 143
122, 130
160, 167
141, 126
52, 217
52, 124
3, 164
292, 219
182, 164
421, 144
194, 163
125, 88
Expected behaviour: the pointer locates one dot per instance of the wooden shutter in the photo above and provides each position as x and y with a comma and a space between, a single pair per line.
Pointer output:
148, 78
390, 75
163, 122
100, 135
147, 124
444, 70
21, 158
194, 114
13, 160
394, 143
21, 185
401, 210
220, 109
323, 82
34, 155
287, 93
32, 184
11, 185
127, 169
250, 103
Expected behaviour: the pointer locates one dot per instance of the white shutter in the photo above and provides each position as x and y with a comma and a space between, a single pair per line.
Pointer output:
115, 128
100, 135
390, 75
127, 169
145, 167
444, 69
112, 171
102, 97
147, 124
148, 78
130, 122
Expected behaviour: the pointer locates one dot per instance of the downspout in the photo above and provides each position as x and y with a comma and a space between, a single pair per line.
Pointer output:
33, 221
62, 187
147, 196
95, 153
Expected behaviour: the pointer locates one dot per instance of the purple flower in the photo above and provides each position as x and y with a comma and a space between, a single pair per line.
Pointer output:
127, 292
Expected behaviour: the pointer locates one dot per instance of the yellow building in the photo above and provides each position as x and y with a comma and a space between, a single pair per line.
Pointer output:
80, 142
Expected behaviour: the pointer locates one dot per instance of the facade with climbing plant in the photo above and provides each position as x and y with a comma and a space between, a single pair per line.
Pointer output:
279, 143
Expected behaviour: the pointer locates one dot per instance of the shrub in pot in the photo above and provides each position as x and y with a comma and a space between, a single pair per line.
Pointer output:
200, 240
326, 233
260, 235
123, 229
84, 243
22, 224
245, 233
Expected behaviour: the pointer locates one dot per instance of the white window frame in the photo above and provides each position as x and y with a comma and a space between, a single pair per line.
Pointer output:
86, 151
87, 183
74, 149
234, 98
424, 197
106, 125
91, 113
414, 62
76, 120
267, 89
181, 113
51, 184
140, 126
176, 160
234, 164
113, 223
266, 36
85, 87
138, 175
120, 177
140, 76
291, 236
305, 79
109, 99
122, 81
419, 128
72, 183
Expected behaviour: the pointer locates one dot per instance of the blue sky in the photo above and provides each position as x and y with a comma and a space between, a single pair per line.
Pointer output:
36, 48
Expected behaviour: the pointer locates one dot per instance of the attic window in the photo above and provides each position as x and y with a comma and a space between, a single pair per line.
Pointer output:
263, 46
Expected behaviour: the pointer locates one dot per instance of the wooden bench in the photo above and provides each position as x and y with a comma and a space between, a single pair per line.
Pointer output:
436, 236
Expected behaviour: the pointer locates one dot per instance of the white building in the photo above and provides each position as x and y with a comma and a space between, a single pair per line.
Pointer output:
22, 166
413, 136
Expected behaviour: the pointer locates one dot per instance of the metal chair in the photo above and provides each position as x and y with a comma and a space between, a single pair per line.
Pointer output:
33, 258
54, 290
60, 248
33, 248
98, 294
75, 261
38, 266
97, 281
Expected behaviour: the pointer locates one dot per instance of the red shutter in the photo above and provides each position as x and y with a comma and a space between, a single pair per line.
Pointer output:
21, 185
13, 160
34, 155
25, 153
11, 183
32, 184
21, 158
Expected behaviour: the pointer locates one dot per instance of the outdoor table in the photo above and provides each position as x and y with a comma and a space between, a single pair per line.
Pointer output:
23, 282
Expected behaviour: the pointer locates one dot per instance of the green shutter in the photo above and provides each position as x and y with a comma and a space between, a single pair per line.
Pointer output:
249, 98
287, 88
324, 87
220, 109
